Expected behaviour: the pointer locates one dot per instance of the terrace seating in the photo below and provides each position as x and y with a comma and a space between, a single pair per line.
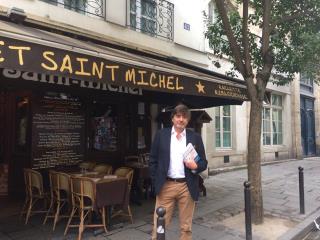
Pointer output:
127, 173
34, 193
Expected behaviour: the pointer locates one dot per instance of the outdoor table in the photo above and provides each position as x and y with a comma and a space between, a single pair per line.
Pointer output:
141, 179
110, 190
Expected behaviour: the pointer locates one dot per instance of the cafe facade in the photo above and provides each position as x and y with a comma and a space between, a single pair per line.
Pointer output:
65, 100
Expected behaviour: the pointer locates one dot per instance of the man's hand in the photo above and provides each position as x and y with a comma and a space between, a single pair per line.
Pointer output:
191, 164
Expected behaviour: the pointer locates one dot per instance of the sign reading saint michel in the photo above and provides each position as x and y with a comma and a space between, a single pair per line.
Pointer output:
26, 56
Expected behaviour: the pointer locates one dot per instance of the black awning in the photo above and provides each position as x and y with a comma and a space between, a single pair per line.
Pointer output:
33, 50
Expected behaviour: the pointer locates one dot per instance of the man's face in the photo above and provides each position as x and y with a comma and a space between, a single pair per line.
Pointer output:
180, 121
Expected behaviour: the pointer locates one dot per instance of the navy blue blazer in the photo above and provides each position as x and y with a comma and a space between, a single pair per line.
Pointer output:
160, 159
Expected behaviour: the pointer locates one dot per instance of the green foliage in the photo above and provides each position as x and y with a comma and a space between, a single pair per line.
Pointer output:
294, 39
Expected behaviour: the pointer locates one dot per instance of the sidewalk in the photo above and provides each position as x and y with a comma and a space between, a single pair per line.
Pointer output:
217, 216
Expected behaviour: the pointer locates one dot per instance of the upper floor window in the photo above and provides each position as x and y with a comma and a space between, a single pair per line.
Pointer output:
306, 83
87, 7
153, 17
212, 11
223, 126
272, 133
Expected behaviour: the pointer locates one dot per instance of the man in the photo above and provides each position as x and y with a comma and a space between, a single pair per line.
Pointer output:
176, 180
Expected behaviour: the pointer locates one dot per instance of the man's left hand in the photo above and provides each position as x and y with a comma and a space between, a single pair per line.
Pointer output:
191, 164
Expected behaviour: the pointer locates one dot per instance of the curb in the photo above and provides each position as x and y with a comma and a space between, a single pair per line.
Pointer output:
216, 171
302, 229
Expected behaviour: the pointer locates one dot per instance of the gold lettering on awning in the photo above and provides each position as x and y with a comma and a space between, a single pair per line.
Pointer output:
2, 44
20, 52
47, 55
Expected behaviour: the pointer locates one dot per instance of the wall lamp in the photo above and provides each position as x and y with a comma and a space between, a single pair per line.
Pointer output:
17, 15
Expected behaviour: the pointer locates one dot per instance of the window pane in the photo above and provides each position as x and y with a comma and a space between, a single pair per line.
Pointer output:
274, 126
274, 115
275, 139
280, 138
226, 124
133, 6
266, 127
280, 115
227, 139
226, 110
217, 123
280, 101
267, 113
218, 142
104, 124
274, 100
217, 111
133, 21
280, 127
267, 139
148, 9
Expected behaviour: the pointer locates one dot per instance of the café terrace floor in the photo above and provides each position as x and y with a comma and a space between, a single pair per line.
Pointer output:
13, 227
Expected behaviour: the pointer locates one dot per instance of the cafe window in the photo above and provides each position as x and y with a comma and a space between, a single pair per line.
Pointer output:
104, 122
22, 108
223, 127
272, 121
137, 127
141, 134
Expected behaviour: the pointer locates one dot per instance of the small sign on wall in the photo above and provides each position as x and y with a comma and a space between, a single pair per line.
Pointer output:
186, 26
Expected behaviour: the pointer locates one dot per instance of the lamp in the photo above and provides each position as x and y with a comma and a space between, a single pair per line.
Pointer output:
16, 14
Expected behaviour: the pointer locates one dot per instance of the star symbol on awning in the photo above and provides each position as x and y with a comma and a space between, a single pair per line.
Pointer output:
200, 87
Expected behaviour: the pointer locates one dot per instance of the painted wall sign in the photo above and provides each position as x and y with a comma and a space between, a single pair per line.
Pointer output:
26, 56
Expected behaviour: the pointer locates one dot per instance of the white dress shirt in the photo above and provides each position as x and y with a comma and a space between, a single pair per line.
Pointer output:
177, 148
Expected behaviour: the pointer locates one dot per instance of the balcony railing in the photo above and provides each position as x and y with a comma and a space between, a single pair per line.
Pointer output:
86, 7
152, 17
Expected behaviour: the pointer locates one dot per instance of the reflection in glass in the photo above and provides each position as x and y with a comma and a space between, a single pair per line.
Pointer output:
105, 129
22, 121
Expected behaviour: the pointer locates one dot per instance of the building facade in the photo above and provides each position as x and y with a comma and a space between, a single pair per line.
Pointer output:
154, 39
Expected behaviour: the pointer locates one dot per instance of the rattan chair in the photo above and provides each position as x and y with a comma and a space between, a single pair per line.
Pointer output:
103, 169
83, 200
127, 173
34, 193
87, 166
60, 195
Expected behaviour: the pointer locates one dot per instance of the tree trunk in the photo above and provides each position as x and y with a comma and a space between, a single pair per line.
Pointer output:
254, 160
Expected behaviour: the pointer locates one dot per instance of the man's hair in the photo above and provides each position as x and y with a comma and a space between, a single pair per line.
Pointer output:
182, 109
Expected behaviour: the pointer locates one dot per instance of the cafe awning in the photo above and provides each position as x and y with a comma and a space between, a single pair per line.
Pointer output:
31, 49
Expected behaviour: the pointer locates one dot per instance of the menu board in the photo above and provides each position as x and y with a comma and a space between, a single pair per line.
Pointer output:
58, 131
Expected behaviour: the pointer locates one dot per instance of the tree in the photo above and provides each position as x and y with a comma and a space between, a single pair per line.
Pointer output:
269, 40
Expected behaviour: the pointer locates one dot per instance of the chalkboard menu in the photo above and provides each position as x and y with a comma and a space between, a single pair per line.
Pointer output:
58, 131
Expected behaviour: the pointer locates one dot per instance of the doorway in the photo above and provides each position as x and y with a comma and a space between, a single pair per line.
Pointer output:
307, 126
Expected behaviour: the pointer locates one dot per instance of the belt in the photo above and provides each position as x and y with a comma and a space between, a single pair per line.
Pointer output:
180, 180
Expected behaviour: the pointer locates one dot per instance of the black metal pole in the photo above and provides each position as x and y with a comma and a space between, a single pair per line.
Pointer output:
301, 190
161, 226
247, 209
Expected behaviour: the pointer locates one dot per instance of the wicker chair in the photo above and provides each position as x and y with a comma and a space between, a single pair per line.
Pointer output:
127, 173
34, 193
60, 195
103, 169
87, 166
83, 199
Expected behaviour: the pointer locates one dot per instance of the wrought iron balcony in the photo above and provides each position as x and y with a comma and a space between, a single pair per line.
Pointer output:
86, 7
152, 17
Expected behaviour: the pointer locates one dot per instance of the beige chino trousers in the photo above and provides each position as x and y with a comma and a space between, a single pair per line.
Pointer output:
171, 193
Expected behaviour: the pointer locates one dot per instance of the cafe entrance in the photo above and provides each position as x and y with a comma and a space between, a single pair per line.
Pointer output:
48, 126
67, 100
